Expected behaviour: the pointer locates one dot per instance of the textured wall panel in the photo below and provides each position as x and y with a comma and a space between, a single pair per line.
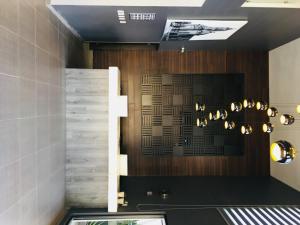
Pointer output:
172, 121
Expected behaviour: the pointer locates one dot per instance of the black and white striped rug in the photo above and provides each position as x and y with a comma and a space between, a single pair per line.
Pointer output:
273, 215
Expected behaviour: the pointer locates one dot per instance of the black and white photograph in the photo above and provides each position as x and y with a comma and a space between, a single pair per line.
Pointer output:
193, 30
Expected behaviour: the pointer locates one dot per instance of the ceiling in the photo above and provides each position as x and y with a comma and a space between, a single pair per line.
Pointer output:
266, 29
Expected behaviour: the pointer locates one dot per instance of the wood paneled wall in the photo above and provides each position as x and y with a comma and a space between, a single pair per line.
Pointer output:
87, 137
138, 60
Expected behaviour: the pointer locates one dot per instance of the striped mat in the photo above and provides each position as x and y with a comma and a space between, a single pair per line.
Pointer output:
275, 215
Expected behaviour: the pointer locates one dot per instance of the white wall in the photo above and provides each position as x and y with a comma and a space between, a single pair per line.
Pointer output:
284, 70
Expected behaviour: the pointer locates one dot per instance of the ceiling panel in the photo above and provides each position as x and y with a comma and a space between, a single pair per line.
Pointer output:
267, 28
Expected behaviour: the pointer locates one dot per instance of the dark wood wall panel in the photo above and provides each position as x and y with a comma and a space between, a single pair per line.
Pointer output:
133, 62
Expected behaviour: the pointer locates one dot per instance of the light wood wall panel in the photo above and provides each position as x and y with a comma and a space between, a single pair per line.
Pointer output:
87, 137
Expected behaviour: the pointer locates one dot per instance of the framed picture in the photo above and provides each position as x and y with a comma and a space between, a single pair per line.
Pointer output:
194, 30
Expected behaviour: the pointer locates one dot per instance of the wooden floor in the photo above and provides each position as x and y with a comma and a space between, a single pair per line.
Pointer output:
134, 61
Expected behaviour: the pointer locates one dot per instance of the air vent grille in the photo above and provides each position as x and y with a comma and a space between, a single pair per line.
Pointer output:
142, 16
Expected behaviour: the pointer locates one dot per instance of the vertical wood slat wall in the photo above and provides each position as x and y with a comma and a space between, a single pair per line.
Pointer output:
87, 137
133, 62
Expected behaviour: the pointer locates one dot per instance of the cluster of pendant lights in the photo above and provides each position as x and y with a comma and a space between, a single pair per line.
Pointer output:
222, 114
281, 151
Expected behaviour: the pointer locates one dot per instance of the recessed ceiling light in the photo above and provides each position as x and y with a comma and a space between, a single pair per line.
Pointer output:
164, 3
272, 3
182, 50
121, 12
121, 16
